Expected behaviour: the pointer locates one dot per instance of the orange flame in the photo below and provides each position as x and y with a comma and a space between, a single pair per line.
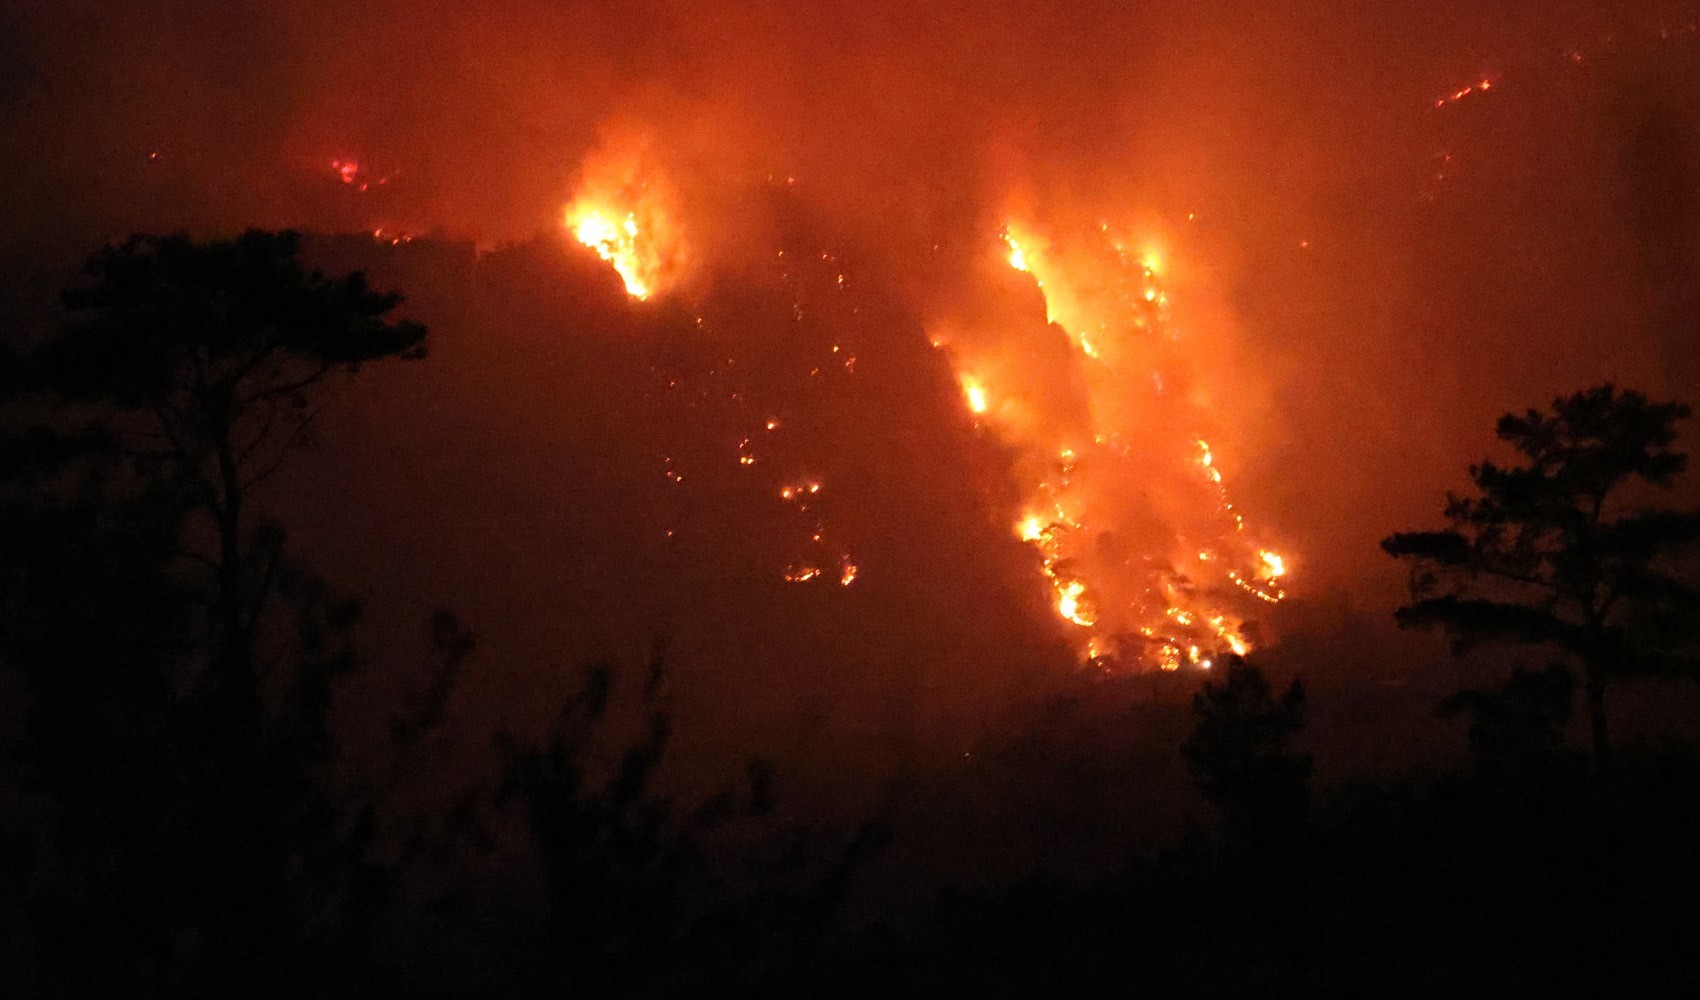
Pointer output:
1111, 304
616, 242
625, 212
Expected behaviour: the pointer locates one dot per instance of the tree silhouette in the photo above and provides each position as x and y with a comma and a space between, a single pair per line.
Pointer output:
1240, 755
207, 362
188, 824
617, 867
646, 896
1520, 725
1550, 552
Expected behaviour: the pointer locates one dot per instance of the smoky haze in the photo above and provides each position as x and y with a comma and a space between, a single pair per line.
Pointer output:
1368, 269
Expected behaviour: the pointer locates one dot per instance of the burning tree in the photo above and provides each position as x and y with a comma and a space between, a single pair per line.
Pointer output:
1552, 553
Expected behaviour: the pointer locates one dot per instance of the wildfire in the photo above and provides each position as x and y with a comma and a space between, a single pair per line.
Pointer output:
1124, 608
626, 213
615, 241
1017, 256
975, 394
1124, 502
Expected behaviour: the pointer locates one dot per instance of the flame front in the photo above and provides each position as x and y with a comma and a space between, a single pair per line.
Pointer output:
1123, 598
627, 214
617, 242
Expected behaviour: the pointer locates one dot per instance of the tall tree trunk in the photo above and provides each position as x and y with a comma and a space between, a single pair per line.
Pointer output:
234, 650
1596, 687
230, 569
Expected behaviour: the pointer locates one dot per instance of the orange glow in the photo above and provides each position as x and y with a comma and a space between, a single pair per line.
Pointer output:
616, 242
1145, 561
975, 393
625, 212
1122, 607
1480, 86
1071, 603
1017, 256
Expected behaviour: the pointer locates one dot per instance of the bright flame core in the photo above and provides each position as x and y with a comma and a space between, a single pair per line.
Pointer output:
975, 393
1017, 256
617, 242
627, 212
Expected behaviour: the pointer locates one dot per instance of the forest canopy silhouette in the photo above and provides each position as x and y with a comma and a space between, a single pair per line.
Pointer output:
191, 817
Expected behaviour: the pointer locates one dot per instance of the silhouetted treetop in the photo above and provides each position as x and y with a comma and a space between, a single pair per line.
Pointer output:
194, 817
1549, 551
205, 363
1240, 754
161, 313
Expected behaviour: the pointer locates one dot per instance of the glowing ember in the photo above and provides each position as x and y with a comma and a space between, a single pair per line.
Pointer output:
355, 175
807, 572
1481, 86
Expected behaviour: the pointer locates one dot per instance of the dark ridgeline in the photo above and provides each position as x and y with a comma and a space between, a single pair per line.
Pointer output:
183, 818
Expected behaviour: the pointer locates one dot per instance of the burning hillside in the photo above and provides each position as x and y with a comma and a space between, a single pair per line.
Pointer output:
1101, 410
902, 345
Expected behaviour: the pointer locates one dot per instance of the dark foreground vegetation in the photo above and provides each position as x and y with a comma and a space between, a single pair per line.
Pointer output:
179, 817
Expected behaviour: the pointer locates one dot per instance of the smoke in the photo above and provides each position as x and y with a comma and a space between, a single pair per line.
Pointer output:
1363, 280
